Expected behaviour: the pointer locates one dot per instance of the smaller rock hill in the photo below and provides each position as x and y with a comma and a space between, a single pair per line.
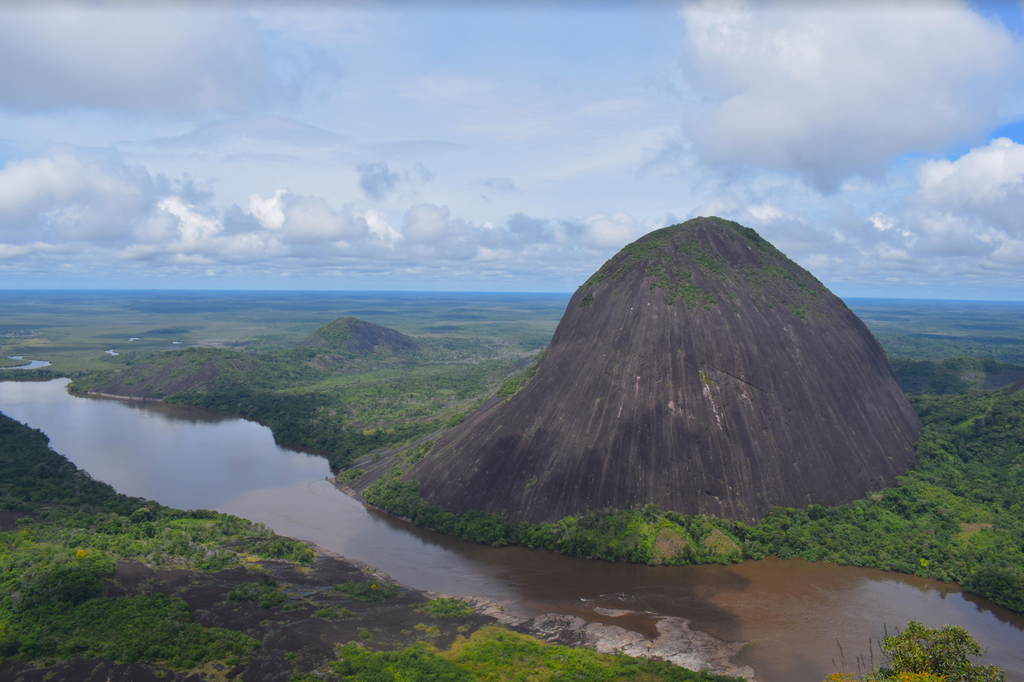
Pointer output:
338, 346
175, 371
352, 335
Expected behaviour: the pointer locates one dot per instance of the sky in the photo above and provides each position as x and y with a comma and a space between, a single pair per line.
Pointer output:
464, 146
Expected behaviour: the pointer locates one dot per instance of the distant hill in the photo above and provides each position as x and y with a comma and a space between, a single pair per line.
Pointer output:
699, 370
352, 335
333, 347
175, 371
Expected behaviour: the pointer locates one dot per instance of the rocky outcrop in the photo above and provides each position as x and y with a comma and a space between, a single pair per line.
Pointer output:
175, 371
352, 335
699, 370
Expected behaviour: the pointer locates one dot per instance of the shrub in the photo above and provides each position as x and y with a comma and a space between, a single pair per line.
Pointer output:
445, 607
368, 590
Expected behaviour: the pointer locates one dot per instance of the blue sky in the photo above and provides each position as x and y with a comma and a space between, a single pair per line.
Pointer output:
512, 147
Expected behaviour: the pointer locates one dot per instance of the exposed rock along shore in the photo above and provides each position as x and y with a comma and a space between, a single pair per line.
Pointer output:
678, 640
132, 398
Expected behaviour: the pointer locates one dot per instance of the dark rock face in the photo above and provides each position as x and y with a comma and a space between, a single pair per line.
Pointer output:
352, 335
177, 371
700, 370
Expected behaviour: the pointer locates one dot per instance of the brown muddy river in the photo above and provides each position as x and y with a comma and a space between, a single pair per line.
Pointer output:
792, 612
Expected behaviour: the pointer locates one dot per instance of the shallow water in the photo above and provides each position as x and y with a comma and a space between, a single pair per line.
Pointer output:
32, 364
792, 611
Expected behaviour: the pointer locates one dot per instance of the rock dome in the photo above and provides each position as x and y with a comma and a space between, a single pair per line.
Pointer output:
700, 370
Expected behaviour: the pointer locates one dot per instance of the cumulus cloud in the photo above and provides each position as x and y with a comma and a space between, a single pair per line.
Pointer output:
426, 223
168, 59
602, 231
955, 231
66, 195
985, 178
268, 212
381, 228
92, 209
835, 90
972, 205
377, 180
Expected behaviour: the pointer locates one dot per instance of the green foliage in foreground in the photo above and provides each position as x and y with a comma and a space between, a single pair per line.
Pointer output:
446, 607
919, 654
54, 563
959, 515
944, 652
368, 590
497, 654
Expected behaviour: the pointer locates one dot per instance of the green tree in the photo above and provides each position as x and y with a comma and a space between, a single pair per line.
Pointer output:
945, 652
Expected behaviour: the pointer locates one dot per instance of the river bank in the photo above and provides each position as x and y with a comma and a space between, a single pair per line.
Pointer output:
297, 635
309, 619
606, 631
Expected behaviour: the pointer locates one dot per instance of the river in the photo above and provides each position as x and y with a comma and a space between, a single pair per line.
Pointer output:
792, 611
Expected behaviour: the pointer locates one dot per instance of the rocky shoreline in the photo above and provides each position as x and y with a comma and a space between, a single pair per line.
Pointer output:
296, 637
678, 641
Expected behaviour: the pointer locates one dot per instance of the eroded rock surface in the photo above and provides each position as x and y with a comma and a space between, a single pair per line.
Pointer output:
699, 370
677, 642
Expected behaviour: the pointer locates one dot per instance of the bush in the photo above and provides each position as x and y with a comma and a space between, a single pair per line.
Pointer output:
941, 654
445, 607
264, 592
368, 590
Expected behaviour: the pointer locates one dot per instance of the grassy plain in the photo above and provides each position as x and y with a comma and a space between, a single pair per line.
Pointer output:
73, 329
938, 330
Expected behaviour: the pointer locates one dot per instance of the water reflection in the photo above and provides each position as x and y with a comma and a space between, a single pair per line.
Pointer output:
180, 456
791, 611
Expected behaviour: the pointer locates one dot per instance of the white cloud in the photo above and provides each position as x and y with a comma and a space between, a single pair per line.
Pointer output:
609, 231
311, 221
882, 222
381, 228
66, 195
425, 223
969, 208
194, 228
983, 177
269, 212
835, 89
170, 58
765, 212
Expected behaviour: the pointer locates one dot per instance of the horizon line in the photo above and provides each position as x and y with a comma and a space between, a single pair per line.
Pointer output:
439, 291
